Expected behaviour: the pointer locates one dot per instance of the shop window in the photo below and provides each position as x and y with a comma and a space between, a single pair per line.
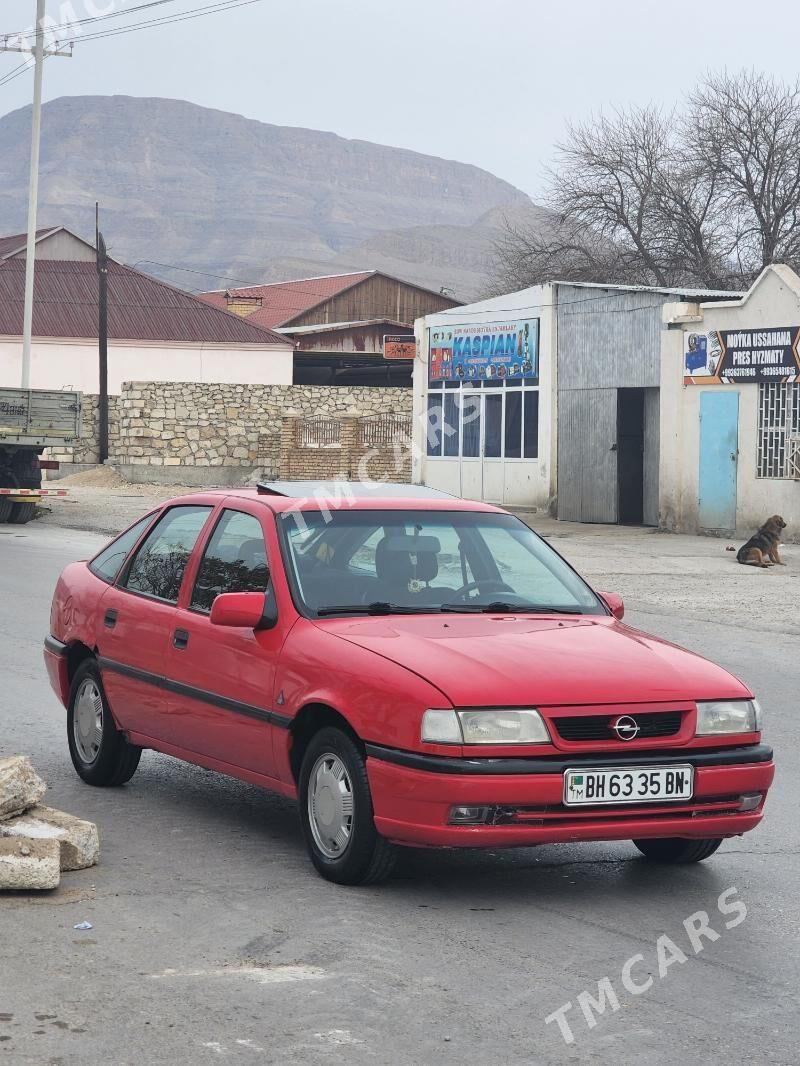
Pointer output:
778, 430
470, 426
493, 422
531, 442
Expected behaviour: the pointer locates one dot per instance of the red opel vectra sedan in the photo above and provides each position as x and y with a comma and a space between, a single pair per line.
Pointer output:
415, 669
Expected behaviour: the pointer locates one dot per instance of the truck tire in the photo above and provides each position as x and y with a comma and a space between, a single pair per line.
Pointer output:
21, 513
5, 508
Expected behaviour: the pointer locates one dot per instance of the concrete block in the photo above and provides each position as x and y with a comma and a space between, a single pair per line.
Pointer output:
77, 839
20, 786
29, 864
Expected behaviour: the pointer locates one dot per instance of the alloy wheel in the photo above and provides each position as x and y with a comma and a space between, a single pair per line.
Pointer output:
330, 805
88, 720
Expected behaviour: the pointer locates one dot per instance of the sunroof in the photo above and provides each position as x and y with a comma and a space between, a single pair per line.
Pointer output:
336, 489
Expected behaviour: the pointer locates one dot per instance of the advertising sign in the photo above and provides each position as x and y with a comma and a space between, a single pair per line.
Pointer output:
399, 347
489, 351
741, 356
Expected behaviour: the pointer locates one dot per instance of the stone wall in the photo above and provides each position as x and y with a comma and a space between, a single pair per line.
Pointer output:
176, 424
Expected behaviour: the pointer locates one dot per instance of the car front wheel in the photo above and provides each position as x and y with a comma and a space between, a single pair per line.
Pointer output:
677, 849
100, 753
336, 812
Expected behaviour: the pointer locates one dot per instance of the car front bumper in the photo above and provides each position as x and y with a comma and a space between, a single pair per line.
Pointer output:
413, 796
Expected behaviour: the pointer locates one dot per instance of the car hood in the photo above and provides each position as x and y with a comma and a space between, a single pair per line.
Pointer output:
516, 660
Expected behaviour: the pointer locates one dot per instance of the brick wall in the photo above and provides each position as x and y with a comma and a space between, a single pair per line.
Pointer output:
207, 425
375, 448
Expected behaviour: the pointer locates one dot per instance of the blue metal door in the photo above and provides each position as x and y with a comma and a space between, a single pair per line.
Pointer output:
719, 444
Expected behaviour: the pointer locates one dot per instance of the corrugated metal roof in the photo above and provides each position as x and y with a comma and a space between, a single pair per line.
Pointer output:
139, 307
17, 242
285, 300
537, 297
673, 290
327, 327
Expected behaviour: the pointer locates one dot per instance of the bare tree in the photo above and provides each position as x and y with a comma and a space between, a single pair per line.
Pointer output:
745, 130
643, 196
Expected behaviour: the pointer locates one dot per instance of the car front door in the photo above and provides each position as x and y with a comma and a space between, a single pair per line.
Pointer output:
222, 678
137, 619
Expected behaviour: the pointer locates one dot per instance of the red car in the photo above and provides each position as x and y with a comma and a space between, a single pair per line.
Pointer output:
414, 668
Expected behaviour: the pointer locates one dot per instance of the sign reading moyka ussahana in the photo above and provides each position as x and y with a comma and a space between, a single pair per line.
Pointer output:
741, 356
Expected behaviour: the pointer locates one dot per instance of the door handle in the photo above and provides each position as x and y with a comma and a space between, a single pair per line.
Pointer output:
110, 618
180, 638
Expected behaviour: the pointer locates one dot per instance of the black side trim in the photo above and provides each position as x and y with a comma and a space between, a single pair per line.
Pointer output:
549, 764
282, 721
212, 698
55, 647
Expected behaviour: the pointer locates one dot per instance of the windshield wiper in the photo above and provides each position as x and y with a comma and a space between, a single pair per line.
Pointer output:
501, 607
378, 607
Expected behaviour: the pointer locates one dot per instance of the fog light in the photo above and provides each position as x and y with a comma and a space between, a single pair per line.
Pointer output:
469, 815
751, 801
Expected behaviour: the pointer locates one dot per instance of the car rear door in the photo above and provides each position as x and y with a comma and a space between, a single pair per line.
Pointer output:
221, 678
136, 619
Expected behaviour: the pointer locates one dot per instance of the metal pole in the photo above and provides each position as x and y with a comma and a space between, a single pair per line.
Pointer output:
102, 270
33, 194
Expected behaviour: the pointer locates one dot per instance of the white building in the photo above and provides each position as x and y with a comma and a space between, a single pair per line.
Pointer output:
730, 409
548, 398
156, 332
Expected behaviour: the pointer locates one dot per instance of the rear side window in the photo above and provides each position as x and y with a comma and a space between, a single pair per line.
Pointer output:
109, 562
159, 565
234, 561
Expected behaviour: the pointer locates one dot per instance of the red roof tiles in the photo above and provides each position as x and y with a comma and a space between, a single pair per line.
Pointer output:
285, 300
139, 307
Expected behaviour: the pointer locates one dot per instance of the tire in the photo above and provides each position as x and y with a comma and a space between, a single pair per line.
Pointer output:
5, 508
102, 757
22, 513
677, 849
333, 769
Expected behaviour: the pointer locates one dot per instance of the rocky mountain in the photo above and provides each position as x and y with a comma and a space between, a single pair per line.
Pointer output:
185, 186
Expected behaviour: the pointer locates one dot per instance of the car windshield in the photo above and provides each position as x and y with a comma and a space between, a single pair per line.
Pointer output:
383, 562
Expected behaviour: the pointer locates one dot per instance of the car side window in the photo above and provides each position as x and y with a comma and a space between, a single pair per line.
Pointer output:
235, 560
108, 563
159, 565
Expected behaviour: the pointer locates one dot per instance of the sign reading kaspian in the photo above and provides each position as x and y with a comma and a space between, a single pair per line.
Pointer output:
741, 356
489, 351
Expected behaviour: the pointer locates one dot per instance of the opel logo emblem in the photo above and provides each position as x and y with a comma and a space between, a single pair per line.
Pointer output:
626, 728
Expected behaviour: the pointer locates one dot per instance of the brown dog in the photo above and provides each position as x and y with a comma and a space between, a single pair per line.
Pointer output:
762, 548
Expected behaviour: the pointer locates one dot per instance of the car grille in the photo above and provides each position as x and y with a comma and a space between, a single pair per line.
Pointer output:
598, 727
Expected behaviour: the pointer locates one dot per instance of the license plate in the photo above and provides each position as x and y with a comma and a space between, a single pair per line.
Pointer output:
636, 784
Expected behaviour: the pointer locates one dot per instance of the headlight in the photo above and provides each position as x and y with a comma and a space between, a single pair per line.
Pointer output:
498, 726
727, 716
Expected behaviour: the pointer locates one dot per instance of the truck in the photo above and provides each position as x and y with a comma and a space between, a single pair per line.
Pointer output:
30, 421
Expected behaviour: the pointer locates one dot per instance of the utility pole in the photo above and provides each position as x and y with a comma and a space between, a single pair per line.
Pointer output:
39, 53
102, 273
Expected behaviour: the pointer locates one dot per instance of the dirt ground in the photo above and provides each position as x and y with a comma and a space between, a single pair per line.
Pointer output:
691, 577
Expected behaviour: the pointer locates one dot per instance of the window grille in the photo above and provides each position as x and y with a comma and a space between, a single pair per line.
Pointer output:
778, 430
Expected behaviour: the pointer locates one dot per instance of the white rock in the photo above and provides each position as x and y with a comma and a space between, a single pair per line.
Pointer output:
29, 864
77, 839
20, 786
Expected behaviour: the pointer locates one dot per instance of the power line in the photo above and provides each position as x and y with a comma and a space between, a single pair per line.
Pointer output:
15, 73
94, 18
169, 20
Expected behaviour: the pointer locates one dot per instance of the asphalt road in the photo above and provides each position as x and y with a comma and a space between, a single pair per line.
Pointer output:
213, 939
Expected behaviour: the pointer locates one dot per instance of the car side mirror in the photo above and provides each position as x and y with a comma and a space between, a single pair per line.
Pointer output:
615, 604
242, 610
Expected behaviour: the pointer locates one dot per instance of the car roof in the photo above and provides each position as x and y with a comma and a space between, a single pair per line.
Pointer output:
316, 495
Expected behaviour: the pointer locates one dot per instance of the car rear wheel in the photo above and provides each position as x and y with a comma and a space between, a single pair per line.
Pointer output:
677, 849
5, 508
336, 813
100, 753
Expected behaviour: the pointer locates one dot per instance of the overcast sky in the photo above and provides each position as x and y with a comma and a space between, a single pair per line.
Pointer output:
489, 82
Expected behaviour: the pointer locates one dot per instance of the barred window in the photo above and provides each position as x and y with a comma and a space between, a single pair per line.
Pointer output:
778, 430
